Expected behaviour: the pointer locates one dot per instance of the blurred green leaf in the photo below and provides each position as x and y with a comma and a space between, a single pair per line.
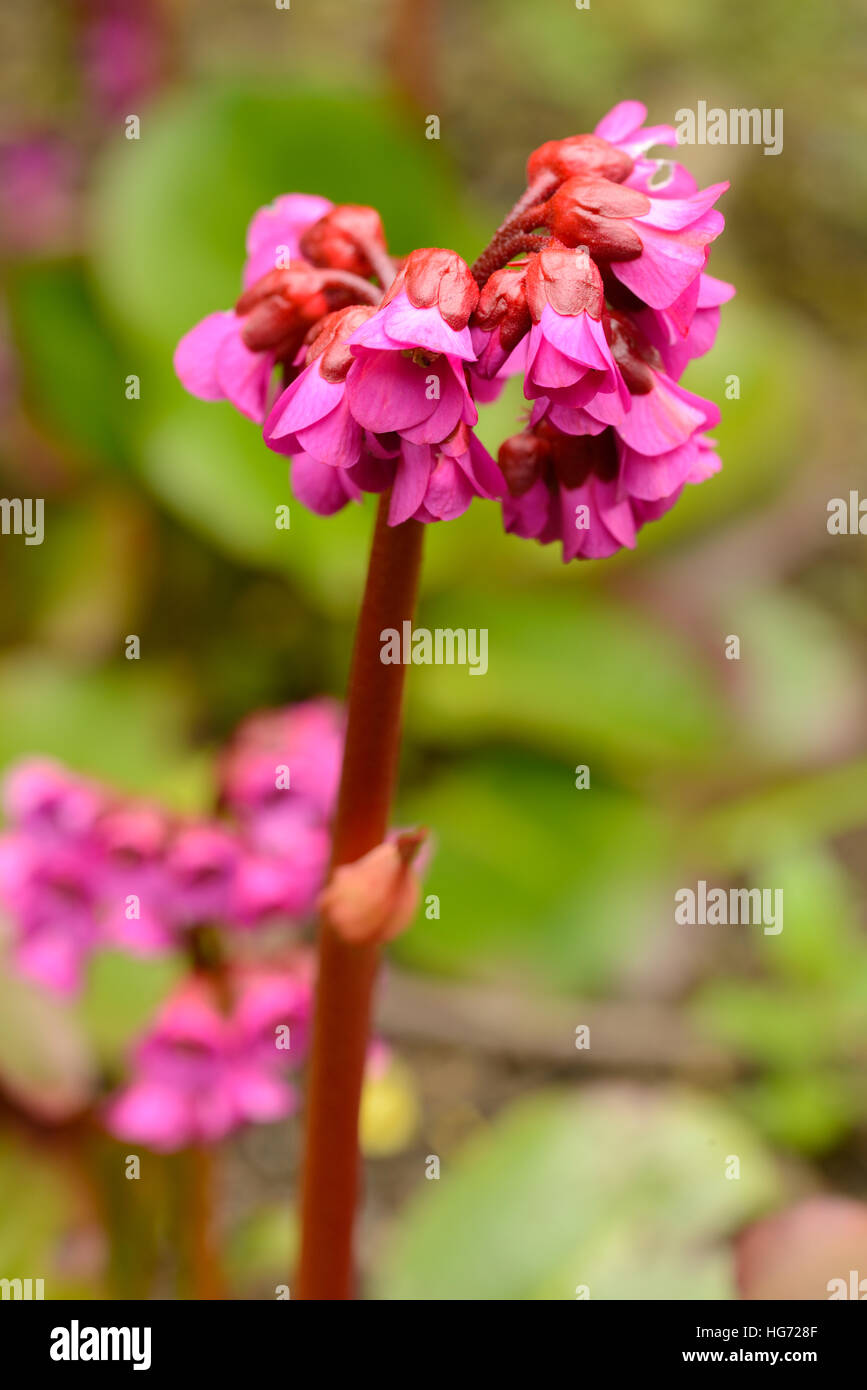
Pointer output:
809, 1111
121, 724
821, 941
172, 209
573, 673
534, 876
618, 1189
73, 380
121, 996
783, 818
46, 1060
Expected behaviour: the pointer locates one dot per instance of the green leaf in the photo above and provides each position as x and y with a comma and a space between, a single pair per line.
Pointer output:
621, 1190
73, 380
172, 209
534, 876
573, 673
810, 1111
123, 725
121, 996
46, 1061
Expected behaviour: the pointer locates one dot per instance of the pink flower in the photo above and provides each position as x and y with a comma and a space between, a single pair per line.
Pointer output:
274, 235
38, 176
568, 358
205, 1068
290, 755
439, 483
51, 892
624, 128
656, 246
231, 355
41, 798
592, 476
312, 416
664, 328
384, 400
134, 911
122, 52
408, 377
201, 867
607, 242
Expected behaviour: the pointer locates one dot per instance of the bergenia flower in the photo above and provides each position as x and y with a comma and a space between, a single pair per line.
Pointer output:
623, 127
51, 892
83, 868
384, 396
383, 362
285, 755
209, 1064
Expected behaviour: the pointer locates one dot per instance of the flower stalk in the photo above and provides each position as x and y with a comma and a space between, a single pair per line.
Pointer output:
346, 972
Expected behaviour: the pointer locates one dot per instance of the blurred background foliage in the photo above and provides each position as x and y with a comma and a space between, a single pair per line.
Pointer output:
560, 1167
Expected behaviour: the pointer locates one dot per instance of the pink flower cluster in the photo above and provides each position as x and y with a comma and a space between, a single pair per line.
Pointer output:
594, 288
613, 302
82, 867
215, 1058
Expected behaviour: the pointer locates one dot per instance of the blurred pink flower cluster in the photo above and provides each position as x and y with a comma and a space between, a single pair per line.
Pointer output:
82, 867
594, 289
215, 1058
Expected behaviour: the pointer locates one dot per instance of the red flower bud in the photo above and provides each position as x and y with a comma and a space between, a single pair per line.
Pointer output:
576, 456
338, 240
522, 459
279, 308
566, 279
591, 213
601, 196
503, 304
634, 355
436, 276
579, 154
329, 340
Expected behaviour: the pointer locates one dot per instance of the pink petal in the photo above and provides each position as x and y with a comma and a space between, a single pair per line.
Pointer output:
318, 486
195, 357
245, 377
674, 214
664, 418
621, 121
387, 392
307, 399
651, 478
410, 484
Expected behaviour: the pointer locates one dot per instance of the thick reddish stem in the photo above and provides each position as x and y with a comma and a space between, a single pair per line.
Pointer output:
204, 1275
346, 973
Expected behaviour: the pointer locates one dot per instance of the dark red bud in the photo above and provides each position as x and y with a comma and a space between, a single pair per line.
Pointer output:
606, 238
591, 213
338, 240
503, 305
294, 283
280, 308
600, 196
576, 456
616, 293
269, 324
566, 279
634, 355
579, 154
436, 276
329, 340
522, 459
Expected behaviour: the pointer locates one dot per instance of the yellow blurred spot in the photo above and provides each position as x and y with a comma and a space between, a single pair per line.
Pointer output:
389, 1111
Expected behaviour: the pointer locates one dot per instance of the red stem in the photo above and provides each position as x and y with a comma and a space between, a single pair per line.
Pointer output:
346, 973
204, 1274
